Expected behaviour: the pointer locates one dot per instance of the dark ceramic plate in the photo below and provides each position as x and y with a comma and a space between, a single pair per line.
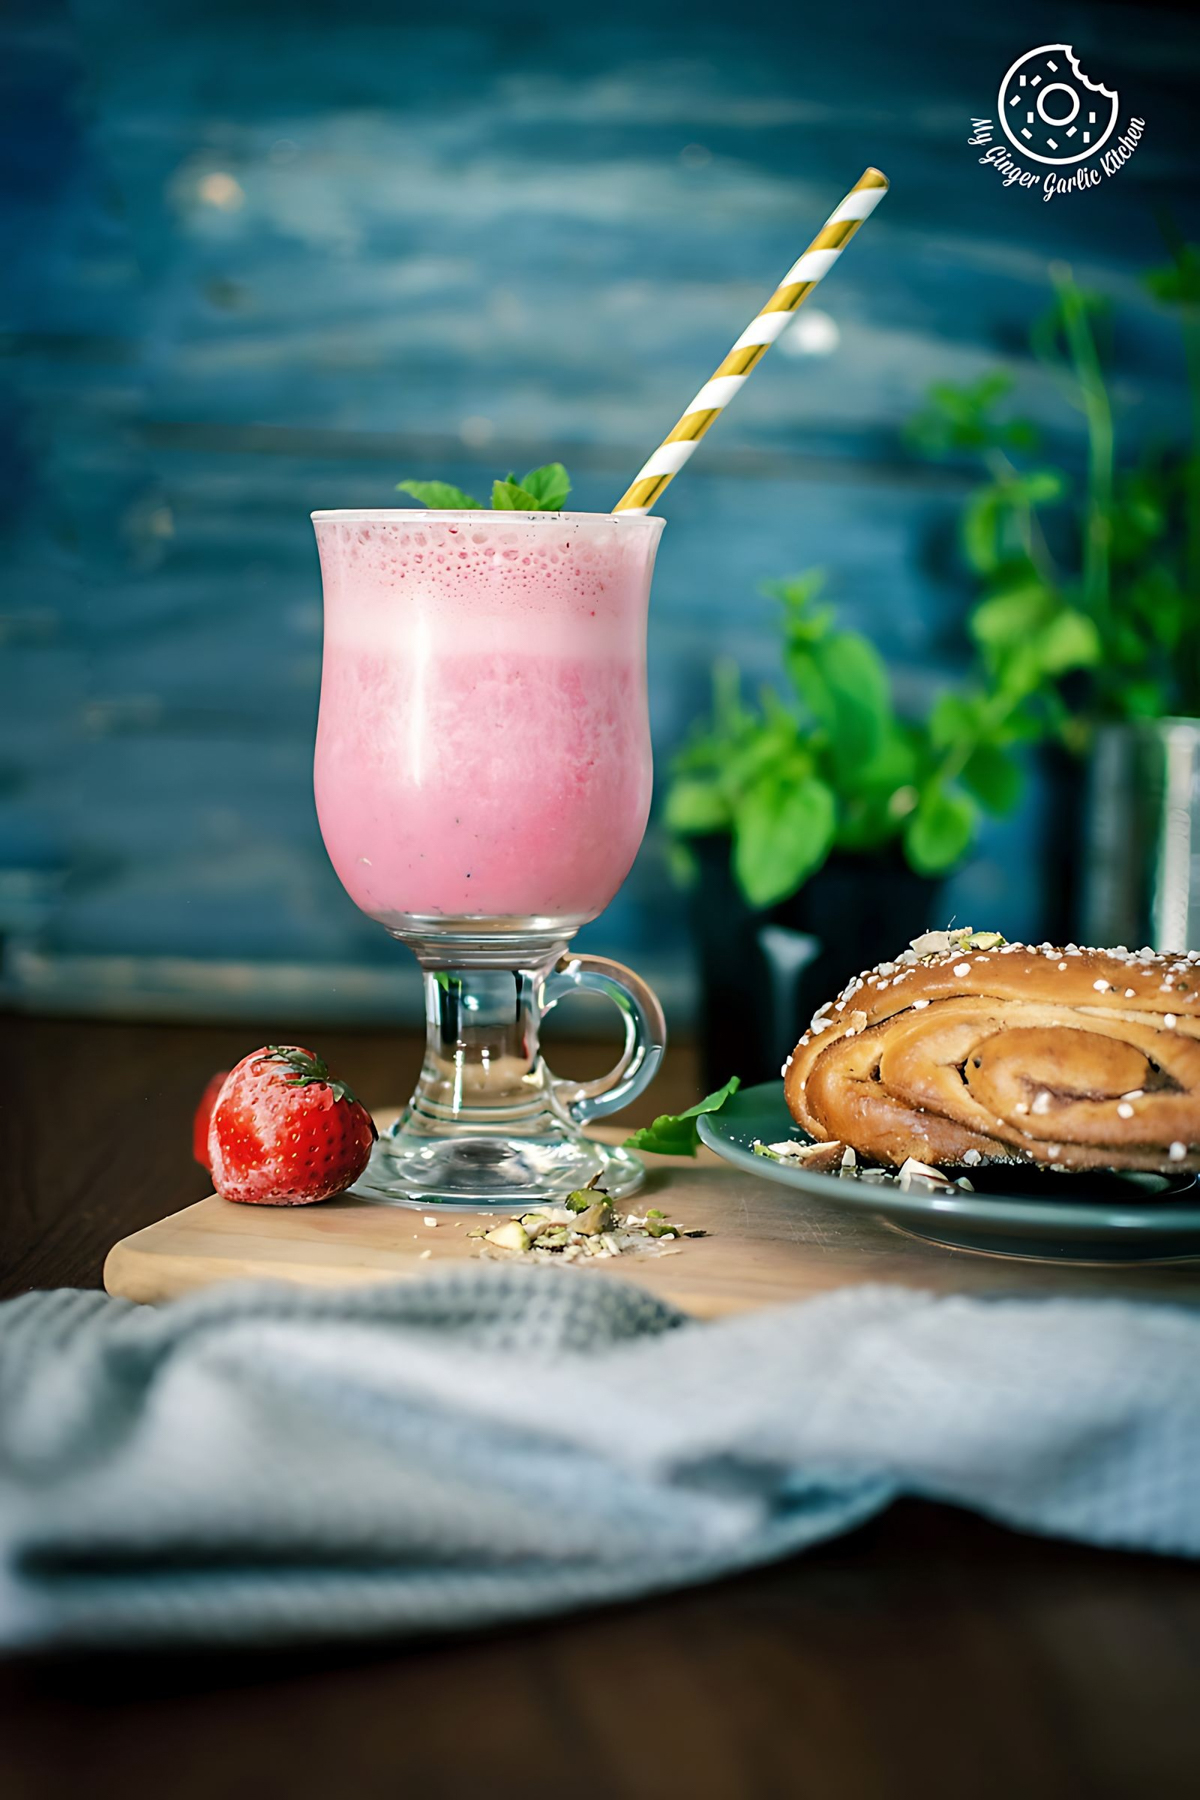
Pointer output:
1013, 1212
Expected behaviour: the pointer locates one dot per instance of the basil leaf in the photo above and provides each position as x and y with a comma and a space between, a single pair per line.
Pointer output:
675, 1134
859, 699
549, 486
993, 777
952, 718
510, 496
782, 831
1069, 641
1005, 621
938, 831
442, 496
695, 808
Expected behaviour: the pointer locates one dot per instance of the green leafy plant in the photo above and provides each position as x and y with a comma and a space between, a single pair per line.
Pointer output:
1087, 609
1089, 594
832, 765
542, 490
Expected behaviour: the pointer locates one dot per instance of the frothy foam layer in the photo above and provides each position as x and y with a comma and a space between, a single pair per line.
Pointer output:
496, 575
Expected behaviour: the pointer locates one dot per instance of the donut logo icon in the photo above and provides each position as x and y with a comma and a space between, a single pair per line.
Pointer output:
1050, 111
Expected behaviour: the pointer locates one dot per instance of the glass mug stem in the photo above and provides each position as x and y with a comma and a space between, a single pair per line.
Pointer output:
488, 1123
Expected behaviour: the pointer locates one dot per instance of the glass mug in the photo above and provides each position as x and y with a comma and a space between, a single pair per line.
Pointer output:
483, 779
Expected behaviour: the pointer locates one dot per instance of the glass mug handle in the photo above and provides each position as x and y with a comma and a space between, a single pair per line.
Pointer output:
645, 1033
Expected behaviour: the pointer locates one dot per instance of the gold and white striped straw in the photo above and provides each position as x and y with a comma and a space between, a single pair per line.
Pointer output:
755, 341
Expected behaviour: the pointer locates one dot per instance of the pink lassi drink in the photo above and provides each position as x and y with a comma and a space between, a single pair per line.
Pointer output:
483, 749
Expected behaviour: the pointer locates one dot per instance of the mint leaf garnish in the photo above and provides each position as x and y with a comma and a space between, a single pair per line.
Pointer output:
549, 486
542, 490
510, 496
675, 1134
442, 496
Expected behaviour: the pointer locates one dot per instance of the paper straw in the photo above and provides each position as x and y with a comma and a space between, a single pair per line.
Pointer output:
755, 341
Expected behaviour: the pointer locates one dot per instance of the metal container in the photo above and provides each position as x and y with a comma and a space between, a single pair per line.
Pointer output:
1141, 881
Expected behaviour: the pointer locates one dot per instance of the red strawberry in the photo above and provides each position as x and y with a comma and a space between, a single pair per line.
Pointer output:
200, 1123
284, 1132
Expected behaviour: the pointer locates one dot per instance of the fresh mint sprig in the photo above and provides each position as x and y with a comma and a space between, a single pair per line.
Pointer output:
442, 496
548, 487
541, 490
512, 496
675, 1134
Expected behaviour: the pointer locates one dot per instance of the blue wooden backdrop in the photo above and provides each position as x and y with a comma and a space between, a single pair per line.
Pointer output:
261, 258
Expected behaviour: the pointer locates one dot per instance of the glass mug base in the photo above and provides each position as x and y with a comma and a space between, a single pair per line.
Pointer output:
488, 1124
475, 1171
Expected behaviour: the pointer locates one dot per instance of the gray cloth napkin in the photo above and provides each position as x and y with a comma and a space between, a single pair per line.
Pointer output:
265, 1463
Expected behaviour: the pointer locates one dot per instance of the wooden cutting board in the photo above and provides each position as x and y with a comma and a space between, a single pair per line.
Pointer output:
767, 1245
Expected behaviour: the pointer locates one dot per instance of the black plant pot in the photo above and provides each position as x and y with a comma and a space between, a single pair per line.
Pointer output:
763, 974
1064, 851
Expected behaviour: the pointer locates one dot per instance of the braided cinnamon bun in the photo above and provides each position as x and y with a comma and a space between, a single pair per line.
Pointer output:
968, 1050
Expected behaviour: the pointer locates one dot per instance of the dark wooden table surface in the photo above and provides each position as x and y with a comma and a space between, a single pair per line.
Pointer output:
926, 1655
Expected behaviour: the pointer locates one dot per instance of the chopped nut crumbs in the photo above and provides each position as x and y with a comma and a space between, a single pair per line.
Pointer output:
839, 1159
588, 1225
